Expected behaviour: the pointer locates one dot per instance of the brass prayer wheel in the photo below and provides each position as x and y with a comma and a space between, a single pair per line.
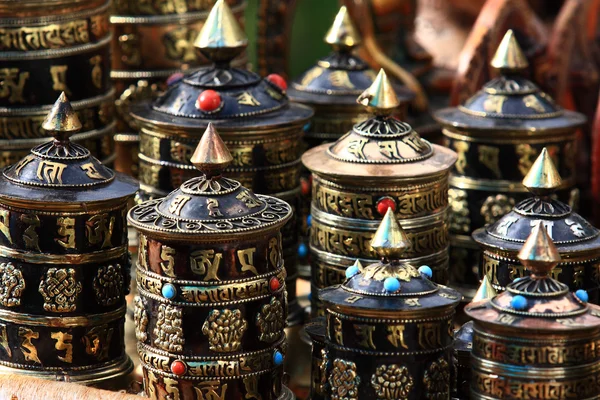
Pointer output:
261, 127
211, 310
46, 48
498, 133
153, 43
333, 84
381, 163
389, 329
578, 242
537, 339
63, 260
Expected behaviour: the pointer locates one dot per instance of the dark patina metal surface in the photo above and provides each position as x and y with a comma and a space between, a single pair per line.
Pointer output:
63, 260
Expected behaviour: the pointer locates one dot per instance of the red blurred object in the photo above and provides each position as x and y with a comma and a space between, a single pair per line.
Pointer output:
277, 80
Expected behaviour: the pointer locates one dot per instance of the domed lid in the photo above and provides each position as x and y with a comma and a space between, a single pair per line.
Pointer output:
341, 73
222, 92
510, 100
390, 284
381, 139
61, 171
210, 203
566, 228
537, 301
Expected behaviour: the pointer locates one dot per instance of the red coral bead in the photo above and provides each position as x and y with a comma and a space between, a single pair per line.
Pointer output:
385, 203
278, 80
274, 284
209, 100
305, 186
178, 367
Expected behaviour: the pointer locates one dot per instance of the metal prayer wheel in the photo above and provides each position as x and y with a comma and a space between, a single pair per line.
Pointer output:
46, 48
63, 260
537, 339
498, 133
331, 88
153, 42
333, 84
381, 163
211, 310
318, 374
261, 127
578, 242
389, 329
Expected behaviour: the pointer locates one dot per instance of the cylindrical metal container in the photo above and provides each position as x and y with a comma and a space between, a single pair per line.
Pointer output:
46, 48
389, 329
498, 133
63, 260
211, 310
536, 340
262, 128
152, 41
318, 371
331, 88
381, 163
578, 242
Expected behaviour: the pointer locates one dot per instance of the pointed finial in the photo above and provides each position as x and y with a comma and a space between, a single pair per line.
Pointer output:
211, 155
358, 265
61, 121
343, 34
221, 38
379, 98
539, 254
486, 291
542, 178
390, 240
509, 57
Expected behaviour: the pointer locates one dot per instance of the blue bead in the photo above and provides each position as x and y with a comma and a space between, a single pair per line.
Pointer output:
582, 295
306, 127
302, 250
310, 296
351, 271
169, 291
426, 270
519, 303
277, 358
309, 220
391, 284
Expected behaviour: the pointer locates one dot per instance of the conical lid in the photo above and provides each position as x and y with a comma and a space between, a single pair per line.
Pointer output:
381, 139
340, 76
61, 171
537, 301
386, 285
221, 93
567, 229
510, 101
210, 203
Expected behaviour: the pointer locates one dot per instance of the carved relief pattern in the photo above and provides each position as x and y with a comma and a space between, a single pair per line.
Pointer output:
140, 318
344, 380
460, 221
495, 207
168, 331
270, 321
392, 382
12, 285
224, 329
108, 285
437, 380
60, 290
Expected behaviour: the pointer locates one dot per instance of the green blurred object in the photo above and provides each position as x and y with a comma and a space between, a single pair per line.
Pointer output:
311, 22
